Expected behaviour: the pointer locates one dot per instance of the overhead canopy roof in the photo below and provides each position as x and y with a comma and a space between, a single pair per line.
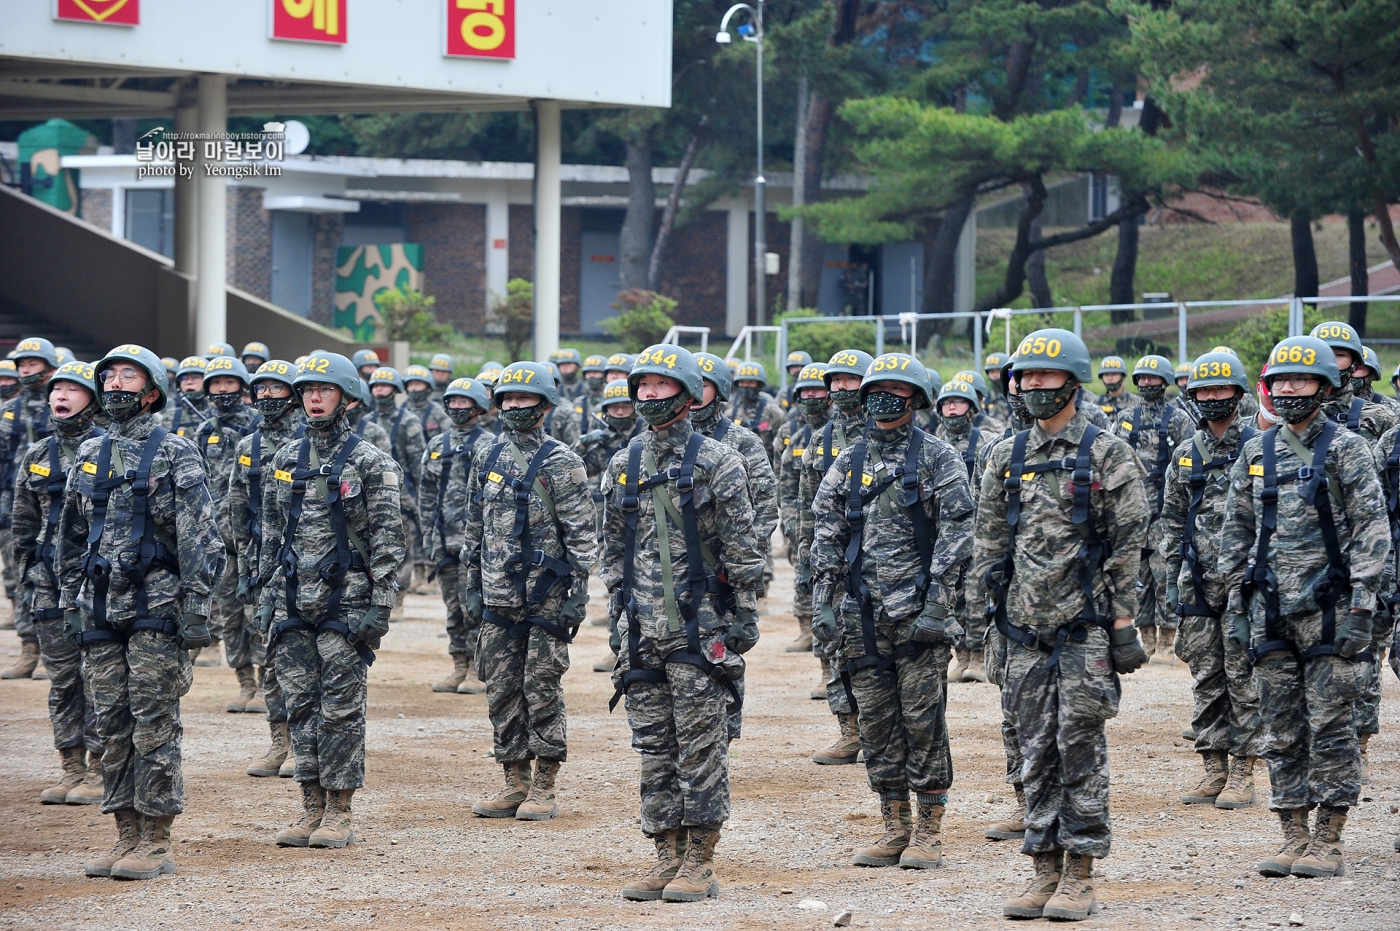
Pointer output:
391, 58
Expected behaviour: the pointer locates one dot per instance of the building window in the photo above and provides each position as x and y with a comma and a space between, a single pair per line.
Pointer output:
150, 220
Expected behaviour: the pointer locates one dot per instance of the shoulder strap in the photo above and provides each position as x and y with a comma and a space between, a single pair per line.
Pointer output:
722, 429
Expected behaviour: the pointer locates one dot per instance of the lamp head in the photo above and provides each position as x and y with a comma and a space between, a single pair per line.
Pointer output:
723, 38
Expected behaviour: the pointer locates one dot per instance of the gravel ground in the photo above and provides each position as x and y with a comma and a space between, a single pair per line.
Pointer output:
783, 862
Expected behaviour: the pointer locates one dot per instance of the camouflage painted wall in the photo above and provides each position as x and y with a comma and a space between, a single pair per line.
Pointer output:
361, 272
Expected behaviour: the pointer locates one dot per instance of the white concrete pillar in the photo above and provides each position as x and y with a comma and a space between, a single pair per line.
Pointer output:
186, 197
497, 243
965, 266
548, 206
211, 309
736, 295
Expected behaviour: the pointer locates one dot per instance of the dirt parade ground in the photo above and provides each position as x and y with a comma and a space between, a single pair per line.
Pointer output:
424, 861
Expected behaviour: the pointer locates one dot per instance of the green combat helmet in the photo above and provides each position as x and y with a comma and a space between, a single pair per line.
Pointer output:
365, 357
330, 368
752, 371
385, 375
615, 392
994, 360
139, 356
1302, 355
674, 362
529, 378
1214, 369
901, 367
1340, 335
714, 369
218, 349
1111, 365
79, 373
797, 358
36, 347
472, 388
440, 362
566, 355
258, 351
959, 389
1058, 350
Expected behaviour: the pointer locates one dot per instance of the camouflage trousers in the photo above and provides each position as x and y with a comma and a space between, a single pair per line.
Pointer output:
70, 707
1368, 704
994, 663
230, 621
136, 689
524, 687
903, 714
680, 728
1153, 610
832, 657
324, 687
23, 605
1310, 738
1059, 714
273, 696
10, 574
1226, 718
462, 631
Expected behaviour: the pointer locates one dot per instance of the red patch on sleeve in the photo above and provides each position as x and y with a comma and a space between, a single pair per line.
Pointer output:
715, 651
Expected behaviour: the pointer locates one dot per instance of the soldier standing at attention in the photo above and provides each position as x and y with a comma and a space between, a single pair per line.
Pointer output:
811, 405
1113, 372
23, 421
1229, 731
442, 366
756, 411
1064, 597
138, 556
844, 373
568, 361
894, 520
406, 445
366, 362
281, 424
42, 475
682, 564
332, 547
1305, 544
529, 542
446, 465
230, 420
998, 408
563, 423
418, 385
590, 394
796, 361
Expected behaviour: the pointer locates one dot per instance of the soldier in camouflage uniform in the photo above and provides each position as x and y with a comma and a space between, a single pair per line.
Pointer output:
189, 406
406, 445
528, 545
446, 465
418, 385
1153, 428
900, 560
1305, 545
24, 420
957, 411
844, 372
811, 407
138, 556
442, 366
1227, 723
569, 362
564, 422
590, 395
982, 418
678, 520
997, 407
333, 543
1064, 597
42, 474
1364, 379
281, 424
366, 361
753, 409
355, 415
1113, 372
230, 420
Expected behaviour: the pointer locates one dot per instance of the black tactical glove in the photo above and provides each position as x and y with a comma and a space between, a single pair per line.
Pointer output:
1353, 633
193, 633
575, 607
1126, 647
72, 623
1173, 596
614, 635
592, 437
743, 633
263, 618
933, 625
372, 625
804, 572
246, 595
824, 627
472, 604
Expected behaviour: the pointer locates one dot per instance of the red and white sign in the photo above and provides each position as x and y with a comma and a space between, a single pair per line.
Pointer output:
481, 28
110, 12
310, 20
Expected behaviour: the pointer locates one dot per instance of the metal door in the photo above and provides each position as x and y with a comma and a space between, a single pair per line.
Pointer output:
600, 278
291, 261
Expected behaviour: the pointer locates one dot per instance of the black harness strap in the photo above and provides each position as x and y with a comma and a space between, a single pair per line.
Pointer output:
1157, 474
449, 453
44, 549
721, 429
969, 455
1259, 577
1392, 503
1201, 470
1094, 548
1352, 418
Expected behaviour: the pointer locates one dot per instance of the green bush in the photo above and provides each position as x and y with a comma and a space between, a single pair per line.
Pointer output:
408, 314
643, 318
823, 340
1255, 337
516, 314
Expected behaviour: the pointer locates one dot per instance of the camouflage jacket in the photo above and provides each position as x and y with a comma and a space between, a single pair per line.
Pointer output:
1373, 420
177, 416
598, 452
1045, 589
1296, 553
274, 435
1138, 427
846, 428
370, 485
806, 431
217, 440
1111, 405
406, 445
996, 406
431, 415
891, 564
1210, 517
763, 485
180, 507
34, 472
370, 430
562, 423
723, 511
564, 527
762, 417
971, 448
24, 419
1372, 396
455, 450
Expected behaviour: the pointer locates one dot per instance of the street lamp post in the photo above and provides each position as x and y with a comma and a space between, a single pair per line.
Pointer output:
753, 32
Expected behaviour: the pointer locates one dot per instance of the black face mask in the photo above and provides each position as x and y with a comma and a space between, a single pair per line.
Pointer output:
886, 406
1294, 409
845, 401
521, 419
9, 391
1359, 386
122, 406
960, 425
1019, 410
747, 395
595, 384
620, 424
273, 408
659, 411
704, 416
1152, 394
462, 416
76, 424
812, 407
226, 403
32, 381
1217, 410
419, 395
386, 403
1044, 403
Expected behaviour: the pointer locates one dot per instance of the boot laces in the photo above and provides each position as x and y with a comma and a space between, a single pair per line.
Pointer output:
128, 838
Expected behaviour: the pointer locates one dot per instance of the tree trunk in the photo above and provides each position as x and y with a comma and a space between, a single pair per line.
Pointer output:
673, 206
635, 242
799, 198
1121, 286
1115, 107
819, 112
1304, 257
941, 258
1035, 273
1360, 275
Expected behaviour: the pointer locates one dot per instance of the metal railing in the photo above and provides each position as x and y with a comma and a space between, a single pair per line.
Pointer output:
673, 335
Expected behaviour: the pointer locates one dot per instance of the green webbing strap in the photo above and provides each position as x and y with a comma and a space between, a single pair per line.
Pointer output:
1305, 456
523, 462
675, 515
661, 507
1053, 478
314, 461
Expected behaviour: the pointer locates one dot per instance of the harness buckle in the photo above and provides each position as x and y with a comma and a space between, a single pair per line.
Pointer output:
1305, 473
630, 502
1269, 495
537, 558
855, 514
